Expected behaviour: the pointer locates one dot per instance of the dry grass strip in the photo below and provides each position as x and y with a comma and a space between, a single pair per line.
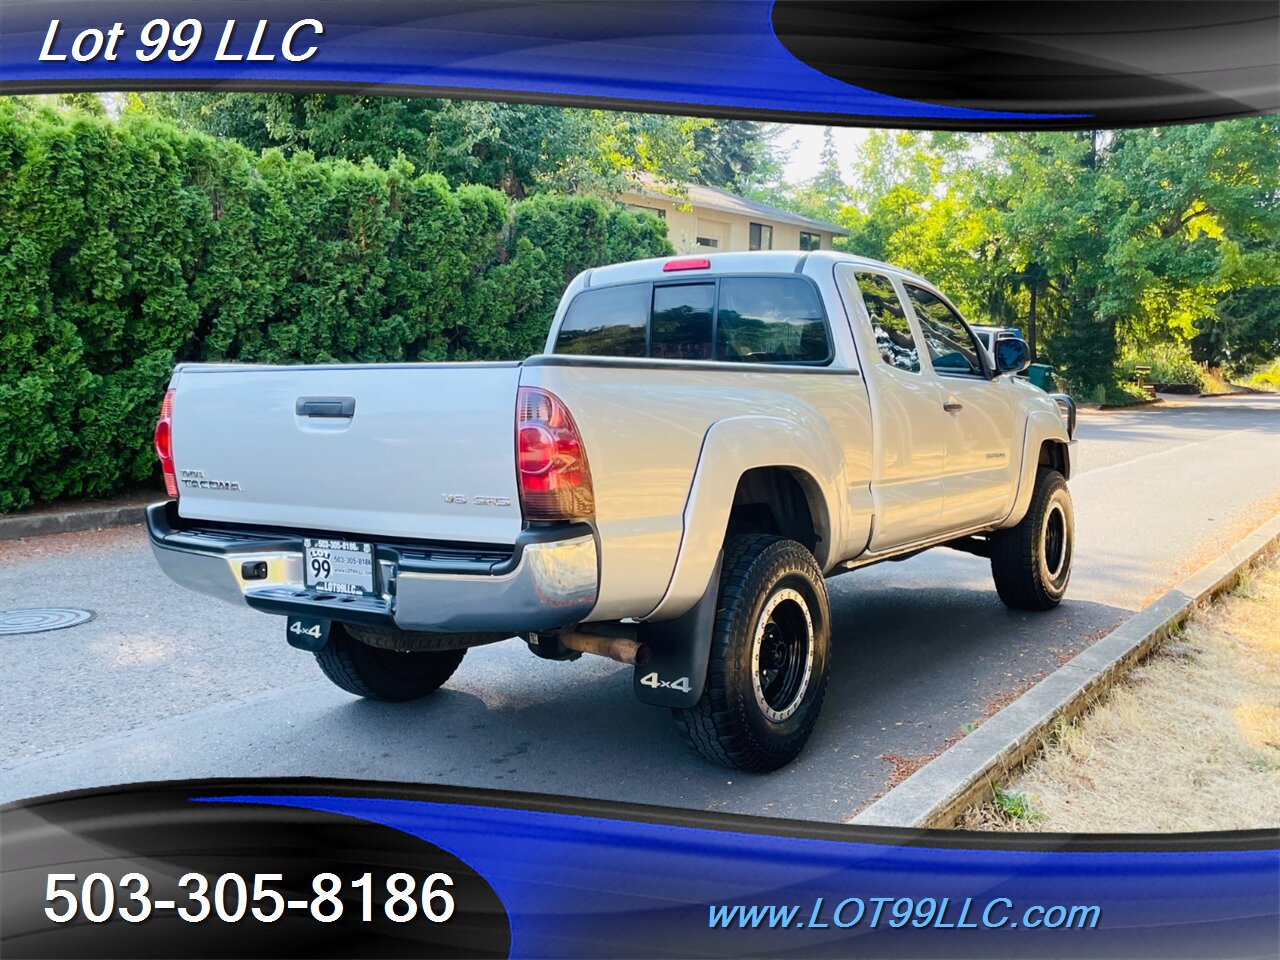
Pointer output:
1189, 741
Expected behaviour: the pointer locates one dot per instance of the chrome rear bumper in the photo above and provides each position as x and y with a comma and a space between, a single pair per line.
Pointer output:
548, 579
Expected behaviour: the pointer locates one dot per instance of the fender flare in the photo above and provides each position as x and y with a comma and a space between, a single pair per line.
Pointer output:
730, 448
1041, 426
678, 630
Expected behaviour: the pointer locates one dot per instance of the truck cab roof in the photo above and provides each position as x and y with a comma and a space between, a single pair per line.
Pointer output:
752, 262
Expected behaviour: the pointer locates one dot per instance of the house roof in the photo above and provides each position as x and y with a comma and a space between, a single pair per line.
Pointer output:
710, 198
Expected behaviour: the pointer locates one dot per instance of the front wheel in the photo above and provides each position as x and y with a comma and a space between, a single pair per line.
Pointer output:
1031, 563
769, 652
377, 673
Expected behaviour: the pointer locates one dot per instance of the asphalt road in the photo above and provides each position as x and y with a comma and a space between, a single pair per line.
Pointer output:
167, 684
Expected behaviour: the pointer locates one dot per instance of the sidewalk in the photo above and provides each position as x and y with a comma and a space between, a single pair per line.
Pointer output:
1189, 741
67, 517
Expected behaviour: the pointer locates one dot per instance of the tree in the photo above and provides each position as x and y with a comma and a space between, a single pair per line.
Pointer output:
736, 155
519, 148
1244, 332
822, 197
1124, 238
127, 245
828, 180
61, 103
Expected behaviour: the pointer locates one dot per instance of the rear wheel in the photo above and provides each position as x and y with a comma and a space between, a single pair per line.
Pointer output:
377, 673
769, 651
1031, 563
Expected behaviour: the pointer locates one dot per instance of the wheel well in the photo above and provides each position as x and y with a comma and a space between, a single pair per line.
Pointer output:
773, 500
1054, 454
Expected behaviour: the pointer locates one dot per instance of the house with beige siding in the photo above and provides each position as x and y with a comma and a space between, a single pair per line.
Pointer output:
705, 219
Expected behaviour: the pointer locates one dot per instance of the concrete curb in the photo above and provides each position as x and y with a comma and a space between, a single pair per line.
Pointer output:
69, 521
966, 774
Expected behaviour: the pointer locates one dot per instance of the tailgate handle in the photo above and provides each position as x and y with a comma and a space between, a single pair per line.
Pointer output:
326, 407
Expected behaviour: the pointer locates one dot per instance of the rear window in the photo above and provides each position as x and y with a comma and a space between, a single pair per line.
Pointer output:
608, 322
747, 319
770, 320
682, 321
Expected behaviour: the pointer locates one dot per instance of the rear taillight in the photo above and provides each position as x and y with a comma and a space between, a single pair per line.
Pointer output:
164, 444
551, 463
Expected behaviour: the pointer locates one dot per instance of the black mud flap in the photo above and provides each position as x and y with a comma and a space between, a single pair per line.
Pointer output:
307, 633
680, 650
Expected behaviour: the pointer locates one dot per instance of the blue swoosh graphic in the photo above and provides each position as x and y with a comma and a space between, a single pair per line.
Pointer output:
710, 54
581, 886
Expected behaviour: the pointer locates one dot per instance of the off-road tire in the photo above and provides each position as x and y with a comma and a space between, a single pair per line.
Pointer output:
729, 725
376, 673
1031, 563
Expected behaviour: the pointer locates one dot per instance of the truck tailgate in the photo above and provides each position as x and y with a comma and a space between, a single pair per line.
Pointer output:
414, 451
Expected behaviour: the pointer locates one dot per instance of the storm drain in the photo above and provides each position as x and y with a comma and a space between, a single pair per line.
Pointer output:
40, 619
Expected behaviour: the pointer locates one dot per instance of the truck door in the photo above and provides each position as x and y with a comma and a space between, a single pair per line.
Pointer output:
981, 469
909, 425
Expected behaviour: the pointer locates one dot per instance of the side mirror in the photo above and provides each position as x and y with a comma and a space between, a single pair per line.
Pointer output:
1012, 355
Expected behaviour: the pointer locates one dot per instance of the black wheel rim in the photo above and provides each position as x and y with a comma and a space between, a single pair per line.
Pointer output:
1055, 542
782, 654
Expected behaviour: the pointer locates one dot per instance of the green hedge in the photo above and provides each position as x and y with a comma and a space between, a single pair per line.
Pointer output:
1170, 363
128, 246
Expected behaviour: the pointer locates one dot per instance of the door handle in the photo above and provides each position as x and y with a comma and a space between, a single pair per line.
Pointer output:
953, 406
335, 407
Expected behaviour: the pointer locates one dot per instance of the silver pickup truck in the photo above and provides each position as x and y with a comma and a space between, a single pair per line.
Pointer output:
704, 441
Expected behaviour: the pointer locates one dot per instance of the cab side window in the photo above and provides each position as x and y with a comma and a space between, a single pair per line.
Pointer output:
951, 344
894, 338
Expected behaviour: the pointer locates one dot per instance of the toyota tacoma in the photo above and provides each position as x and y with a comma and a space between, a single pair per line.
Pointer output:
702, 443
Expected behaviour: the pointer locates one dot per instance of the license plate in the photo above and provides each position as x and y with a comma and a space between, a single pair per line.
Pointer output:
339, 566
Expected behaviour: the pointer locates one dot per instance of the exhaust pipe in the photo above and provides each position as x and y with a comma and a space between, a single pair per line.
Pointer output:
622, 649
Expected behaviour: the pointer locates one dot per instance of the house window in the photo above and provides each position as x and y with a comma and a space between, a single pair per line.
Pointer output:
810, 241
652, 211
711, 233
760, 237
